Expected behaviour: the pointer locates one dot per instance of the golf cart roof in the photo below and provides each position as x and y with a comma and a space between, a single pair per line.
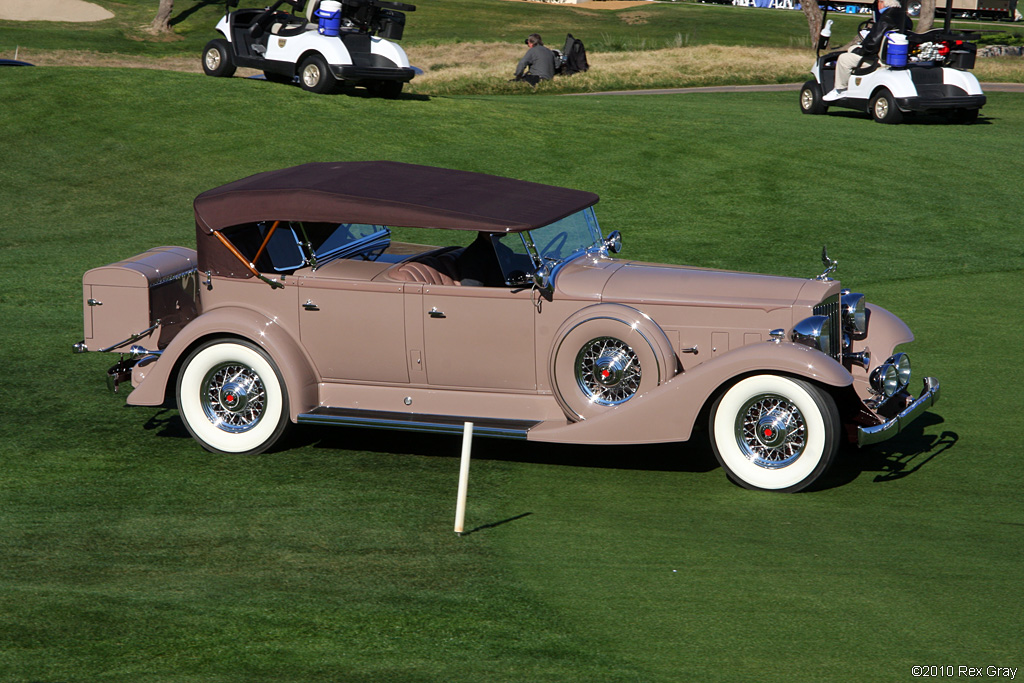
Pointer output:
388, 193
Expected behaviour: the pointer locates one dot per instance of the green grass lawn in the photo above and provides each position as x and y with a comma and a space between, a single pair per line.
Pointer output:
129, 554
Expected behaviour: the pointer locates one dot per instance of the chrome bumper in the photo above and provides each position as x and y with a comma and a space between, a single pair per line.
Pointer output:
869, 435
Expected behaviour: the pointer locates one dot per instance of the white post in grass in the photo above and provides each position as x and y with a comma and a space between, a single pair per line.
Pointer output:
460, 505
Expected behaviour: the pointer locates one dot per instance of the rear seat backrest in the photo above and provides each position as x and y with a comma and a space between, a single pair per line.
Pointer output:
311, 6
432, 268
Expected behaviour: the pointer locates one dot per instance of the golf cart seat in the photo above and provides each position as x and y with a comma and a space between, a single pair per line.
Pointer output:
865, 66
290, 25
311, 7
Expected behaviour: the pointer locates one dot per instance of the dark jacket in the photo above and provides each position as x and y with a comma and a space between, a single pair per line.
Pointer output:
892, 19
541, 62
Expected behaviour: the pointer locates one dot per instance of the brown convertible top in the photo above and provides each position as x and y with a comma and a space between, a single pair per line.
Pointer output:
388, 193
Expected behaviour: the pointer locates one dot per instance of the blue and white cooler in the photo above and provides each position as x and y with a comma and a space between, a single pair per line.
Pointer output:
896, 49
329, 18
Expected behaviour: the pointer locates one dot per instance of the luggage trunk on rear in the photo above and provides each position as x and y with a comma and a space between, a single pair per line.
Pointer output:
145, 299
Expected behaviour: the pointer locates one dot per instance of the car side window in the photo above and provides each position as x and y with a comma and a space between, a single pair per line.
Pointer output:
513, 256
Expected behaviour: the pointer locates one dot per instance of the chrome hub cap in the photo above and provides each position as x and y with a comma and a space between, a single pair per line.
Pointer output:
771, 432
881, 108
607, 371
806, 99
233, 397
212, 59
311, 75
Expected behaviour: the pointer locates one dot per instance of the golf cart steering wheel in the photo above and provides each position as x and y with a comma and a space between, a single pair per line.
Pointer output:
866, 25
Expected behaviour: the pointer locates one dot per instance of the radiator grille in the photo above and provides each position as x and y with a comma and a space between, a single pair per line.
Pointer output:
830, 307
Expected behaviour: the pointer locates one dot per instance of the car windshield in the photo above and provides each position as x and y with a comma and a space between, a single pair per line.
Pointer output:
553, 243
564, 238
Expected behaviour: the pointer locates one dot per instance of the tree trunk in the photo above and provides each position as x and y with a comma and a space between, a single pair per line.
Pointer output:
162, 23
813, 14
926, 19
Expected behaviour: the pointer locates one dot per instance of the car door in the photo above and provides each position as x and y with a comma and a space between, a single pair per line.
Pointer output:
476, 337
354, 329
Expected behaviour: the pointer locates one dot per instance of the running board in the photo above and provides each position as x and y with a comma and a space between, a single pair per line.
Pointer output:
413, 422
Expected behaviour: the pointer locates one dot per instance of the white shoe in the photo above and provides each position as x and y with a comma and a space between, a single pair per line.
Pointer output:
834, 95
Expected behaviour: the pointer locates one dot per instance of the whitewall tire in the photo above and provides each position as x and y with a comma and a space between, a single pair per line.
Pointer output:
775, 433
232, 398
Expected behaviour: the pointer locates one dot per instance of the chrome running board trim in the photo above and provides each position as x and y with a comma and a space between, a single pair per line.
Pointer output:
415, 422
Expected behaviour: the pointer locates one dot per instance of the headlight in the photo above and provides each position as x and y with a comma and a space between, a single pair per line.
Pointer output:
855, 316
902, 363
885, 380
891, 376
813, 332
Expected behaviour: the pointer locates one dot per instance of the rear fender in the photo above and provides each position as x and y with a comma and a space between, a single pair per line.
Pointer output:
156, 380
668, 412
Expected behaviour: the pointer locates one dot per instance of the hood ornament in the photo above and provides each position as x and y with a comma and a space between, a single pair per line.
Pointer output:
830, 265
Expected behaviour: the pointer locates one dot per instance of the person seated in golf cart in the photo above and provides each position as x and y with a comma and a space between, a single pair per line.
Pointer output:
890, 16
538, 64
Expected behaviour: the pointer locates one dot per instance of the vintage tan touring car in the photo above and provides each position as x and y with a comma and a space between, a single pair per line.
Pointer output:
297, 307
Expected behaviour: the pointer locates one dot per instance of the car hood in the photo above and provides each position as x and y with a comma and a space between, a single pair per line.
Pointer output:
652, 283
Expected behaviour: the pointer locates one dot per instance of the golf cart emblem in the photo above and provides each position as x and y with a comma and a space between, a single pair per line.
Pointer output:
281, 42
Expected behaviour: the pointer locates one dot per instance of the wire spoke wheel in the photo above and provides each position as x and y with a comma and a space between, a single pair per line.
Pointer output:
771, 431
608, 371
233, 397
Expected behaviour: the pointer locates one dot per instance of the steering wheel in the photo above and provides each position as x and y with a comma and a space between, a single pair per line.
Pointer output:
866, 25
555, 243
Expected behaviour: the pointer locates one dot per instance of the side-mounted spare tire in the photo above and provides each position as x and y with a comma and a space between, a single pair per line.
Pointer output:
603, 356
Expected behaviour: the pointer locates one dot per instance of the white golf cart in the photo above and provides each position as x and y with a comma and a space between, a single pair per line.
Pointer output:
328, 44
914, 72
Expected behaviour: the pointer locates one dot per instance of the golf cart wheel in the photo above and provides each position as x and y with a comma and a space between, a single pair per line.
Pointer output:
315, 76
810, 99
217, 58
883, 108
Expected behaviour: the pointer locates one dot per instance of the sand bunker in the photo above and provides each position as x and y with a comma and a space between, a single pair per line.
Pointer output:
52, 10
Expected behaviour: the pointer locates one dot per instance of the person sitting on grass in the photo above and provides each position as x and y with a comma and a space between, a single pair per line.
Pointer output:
539, 60
891, 17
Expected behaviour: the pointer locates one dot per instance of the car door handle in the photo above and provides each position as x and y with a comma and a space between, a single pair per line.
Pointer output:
310, 306
434, 313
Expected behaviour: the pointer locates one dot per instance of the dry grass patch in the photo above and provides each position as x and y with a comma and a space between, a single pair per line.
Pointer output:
484, 68
1000, 69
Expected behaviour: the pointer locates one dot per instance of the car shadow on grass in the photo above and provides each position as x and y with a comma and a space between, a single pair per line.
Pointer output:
903, 455
692, 456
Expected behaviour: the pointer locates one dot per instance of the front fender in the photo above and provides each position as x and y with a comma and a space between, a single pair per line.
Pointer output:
296, 368
668, 412
885, 333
